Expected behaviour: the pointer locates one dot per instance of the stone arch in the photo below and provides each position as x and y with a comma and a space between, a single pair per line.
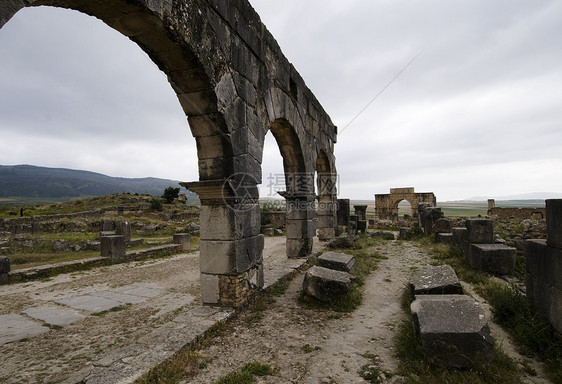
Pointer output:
386, 205
233, 83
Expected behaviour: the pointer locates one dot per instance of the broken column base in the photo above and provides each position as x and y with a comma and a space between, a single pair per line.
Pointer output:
113, 247
439, 280
337, 261
184, 239
452, 329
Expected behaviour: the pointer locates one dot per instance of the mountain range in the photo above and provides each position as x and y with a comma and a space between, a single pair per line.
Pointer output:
42, 182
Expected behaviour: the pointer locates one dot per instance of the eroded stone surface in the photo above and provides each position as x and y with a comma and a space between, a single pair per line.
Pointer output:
326, 284
58, 316
453, 329
493, 258
16, 327
338, 261
440, 280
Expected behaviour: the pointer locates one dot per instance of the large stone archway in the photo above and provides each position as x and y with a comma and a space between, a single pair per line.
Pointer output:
386, 205
233, 83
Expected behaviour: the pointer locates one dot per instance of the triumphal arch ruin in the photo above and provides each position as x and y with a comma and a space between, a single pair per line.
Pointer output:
386, 205
235, 85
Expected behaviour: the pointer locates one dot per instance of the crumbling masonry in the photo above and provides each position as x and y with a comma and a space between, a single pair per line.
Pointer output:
234, 85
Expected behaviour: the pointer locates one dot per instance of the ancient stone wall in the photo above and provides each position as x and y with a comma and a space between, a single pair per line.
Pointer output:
234, 85
518, 213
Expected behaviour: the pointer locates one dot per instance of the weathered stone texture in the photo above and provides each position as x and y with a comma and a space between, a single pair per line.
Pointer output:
337, 261
480, 231
113, 247
326, 284
442, 225
405, 233
493, 258
554, 222
184, 239
444, 238
453, 329
440, 280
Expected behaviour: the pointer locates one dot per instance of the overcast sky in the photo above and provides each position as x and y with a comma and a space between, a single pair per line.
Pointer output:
477, 113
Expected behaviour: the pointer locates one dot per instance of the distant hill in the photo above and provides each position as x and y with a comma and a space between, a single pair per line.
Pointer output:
41, 182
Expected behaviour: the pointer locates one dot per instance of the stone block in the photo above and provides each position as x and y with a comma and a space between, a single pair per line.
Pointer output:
493, 258
230, 257
480, 231
184, 239
544, 262
301, 229
123, 228
298, 247
554, 222
113, 247
453, 330
106, 225
210, 292
326, 221
343, 212
325, 234
442, 225
440, 280
4, 265
459, 236
326, 284
444, 238
337, 261
405, 233
221, 222
269, 232
362, 226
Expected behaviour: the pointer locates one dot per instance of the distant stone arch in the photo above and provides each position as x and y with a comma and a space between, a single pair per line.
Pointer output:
233, 83
386, 205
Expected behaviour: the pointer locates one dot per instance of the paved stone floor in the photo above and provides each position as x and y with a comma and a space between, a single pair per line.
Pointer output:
110, 324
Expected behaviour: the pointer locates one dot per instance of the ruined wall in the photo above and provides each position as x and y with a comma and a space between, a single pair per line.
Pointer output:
518, 213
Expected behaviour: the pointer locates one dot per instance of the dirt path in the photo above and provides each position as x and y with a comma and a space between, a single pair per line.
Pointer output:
313, 346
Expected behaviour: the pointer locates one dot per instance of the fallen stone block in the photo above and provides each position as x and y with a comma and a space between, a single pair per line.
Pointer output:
440, 280
452, 329
326, 284
337, 261
493, 258
343, 242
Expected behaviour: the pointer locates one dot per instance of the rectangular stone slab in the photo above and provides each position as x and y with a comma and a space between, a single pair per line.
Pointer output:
16, 327
337, 261
453, 329
90, 303
440, 280
54, 316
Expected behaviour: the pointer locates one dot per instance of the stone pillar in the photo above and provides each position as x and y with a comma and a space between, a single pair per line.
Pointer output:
343, 212
231, 248
326, 217
113, 247
106, 225
301, 227
491, 204
123, 228
184, 239
361, 212
554, 223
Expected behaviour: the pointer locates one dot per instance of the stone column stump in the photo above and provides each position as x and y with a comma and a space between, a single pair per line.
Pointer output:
184, 239
113, 246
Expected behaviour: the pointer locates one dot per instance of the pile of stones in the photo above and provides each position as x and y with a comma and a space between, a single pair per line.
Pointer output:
451, 327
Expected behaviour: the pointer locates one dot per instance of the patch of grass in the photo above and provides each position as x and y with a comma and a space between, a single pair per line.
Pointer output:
245, 375
173, 369
530, 330
111, 310
307, 348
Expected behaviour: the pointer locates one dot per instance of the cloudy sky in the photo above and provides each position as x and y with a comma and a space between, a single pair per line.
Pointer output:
477, 113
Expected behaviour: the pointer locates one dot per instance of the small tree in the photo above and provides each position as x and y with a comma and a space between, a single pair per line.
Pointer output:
170, 194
